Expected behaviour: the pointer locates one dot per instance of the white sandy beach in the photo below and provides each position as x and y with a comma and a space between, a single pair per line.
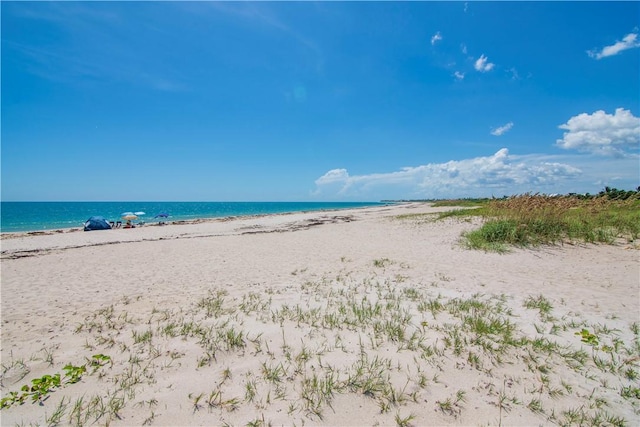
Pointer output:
348, 317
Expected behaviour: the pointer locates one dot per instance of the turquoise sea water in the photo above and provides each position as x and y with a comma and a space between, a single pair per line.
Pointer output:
37, 216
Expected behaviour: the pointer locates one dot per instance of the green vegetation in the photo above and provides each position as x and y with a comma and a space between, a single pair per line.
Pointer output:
533, 219
465, 203
41, 387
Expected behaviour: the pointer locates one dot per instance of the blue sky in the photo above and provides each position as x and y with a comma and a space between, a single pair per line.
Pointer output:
296, 101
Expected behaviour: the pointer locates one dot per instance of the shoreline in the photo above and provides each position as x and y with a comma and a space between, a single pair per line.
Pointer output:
154, 222
20, 244
321, 318
179, 218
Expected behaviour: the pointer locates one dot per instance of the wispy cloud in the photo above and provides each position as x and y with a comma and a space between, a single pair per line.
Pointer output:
261, 13
615, 134
480, 176
629, 41
514, 73
92, 50
436, 38
483, 65
458, 75
502, 129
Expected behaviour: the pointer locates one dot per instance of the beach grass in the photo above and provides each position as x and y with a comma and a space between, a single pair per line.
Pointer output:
467, 203
532, 220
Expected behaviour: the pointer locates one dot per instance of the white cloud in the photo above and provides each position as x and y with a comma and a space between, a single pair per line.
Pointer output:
334, 175
483, 65
463, 48
481, 176
436, 38
601, 133
458, 75
628, 42
502, 129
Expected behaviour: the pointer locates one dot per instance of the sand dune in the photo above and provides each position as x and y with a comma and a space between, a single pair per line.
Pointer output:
322, 318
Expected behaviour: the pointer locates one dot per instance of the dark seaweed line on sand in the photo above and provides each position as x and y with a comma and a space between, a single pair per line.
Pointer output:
305, 225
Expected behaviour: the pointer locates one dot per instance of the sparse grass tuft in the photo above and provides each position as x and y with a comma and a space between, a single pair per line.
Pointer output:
542, 304
382, 262
404, 421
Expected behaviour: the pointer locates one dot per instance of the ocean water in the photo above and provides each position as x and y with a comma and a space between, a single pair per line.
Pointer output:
38, 216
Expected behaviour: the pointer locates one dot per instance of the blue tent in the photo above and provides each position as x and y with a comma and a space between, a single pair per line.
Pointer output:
96, 223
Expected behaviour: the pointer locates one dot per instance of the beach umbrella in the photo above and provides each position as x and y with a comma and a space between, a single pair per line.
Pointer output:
161, 215
139, 213
128, 216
